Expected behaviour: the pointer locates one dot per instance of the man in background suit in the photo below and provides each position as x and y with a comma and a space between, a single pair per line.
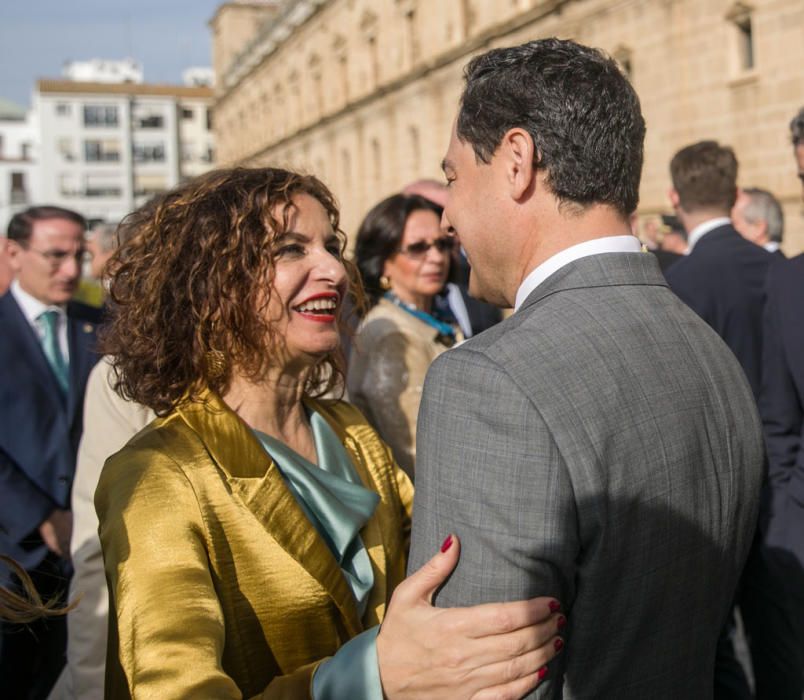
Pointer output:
722, 278
779, 559
601, 444
46, 352
758, 217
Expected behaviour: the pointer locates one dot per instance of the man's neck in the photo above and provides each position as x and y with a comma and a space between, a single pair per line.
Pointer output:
562, 232
690, 220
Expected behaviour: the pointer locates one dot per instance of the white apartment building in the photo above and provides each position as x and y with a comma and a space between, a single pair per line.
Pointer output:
19, 172
106, 148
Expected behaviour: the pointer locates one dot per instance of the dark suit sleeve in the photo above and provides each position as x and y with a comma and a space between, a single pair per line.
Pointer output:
489, 471
779, 404
23, 506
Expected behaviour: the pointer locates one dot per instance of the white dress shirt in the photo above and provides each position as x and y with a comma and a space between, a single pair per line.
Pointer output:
771, 246
32, 308
608, 244
702, 229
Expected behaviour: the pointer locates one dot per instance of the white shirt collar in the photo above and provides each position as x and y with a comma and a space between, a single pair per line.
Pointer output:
30, 306
609, 244
771, 246
702, 229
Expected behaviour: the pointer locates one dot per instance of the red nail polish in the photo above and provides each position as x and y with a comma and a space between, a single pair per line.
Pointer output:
558, 645
446, 544
555, 606
561, 622
542, 673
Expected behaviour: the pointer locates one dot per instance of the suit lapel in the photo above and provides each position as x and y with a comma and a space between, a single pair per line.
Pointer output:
604, 270
29, 349
257, 481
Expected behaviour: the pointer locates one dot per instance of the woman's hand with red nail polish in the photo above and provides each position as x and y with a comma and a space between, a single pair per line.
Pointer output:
497, 650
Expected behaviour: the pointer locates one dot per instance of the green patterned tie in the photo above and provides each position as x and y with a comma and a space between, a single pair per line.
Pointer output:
52, 347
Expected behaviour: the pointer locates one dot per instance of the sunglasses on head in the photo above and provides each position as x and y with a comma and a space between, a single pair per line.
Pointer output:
419, 249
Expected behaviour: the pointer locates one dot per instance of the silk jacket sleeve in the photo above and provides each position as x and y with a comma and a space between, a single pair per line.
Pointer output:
169, 625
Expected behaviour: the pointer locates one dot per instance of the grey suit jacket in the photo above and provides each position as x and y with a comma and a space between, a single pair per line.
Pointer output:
602, 446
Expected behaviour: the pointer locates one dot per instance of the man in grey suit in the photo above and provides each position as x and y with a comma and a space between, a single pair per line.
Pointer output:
600, 445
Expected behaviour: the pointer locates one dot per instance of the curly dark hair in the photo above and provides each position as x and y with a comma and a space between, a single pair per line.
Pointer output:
191, 278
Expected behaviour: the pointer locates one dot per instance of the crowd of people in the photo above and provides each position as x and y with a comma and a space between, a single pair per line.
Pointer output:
208, 457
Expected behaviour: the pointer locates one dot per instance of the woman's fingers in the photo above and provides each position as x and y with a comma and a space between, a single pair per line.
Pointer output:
513, 690
420, 586
501, 618
539, 638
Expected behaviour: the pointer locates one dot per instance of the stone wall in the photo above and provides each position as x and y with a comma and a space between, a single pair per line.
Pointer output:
363, 92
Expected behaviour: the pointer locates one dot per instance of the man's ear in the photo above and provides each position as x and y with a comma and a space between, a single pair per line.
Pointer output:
14, 253
518, 152
675, 200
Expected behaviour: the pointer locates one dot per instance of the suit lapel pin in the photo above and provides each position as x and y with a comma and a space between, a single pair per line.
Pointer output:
88, 328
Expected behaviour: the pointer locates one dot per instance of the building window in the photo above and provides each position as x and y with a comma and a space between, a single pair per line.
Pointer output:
102, 186
150, 121
63, 109
746, 43
187, 113
149, 153
107, 150
209, 119
740, 17
100, 115
18, 193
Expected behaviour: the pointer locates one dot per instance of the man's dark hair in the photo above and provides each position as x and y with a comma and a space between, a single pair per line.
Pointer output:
797, 128
705, 176
380, 236
21, 224
580, 110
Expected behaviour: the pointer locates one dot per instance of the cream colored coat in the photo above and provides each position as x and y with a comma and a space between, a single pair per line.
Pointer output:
390, 358
109, 423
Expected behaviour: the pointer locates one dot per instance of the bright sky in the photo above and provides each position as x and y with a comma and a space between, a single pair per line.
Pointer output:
38, 36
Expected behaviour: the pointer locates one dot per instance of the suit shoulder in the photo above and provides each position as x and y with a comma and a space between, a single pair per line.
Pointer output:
84, 312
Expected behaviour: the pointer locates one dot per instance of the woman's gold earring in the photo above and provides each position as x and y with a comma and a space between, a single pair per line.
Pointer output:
385, 282
215, 363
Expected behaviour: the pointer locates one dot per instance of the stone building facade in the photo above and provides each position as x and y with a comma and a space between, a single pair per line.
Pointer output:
363, 92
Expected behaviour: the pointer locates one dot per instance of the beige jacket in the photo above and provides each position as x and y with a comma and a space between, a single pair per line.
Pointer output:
390, 357
109, 423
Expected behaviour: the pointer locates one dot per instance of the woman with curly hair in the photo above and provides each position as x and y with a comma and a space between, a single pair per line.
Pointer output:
254, 532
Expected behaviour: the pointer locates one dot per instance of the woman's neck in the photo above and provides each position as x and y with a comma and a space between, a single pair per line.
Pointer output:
274, 406
420, 301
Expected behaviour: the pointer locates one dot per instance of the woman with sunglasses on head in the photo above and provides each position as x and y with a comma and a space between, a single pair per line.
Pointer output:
255, 534
404, 260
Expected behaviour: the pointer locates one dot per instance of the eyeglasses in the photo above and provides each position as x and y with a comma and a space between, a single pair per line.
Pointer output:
57, 258
418, 250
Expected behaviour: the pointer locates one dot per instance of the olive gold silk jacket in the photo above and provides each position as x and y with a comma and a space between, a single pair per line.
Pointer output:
220, 587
